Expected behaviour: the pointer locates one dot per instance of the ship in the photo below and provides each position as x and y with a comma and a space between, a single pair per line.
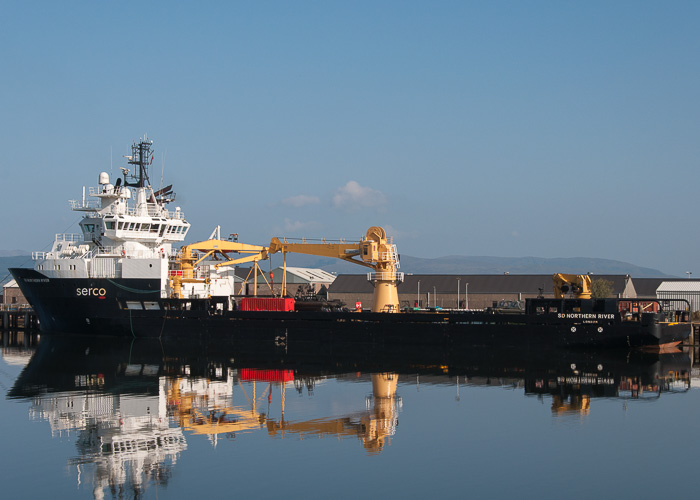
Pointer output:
123, 275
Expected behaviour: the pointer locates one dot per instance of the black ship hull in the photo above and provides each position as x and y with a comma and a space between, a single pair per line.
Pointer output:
134, 308
70, 305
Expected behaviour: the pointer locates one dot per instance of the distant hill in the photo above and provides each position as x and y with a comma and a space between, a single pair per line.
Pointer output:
454, 264
525, 265
484, 265
13, 261
13, 253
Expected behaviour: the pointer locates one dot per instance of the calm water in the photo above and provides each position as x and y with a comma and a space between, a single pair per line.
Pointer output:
95, 418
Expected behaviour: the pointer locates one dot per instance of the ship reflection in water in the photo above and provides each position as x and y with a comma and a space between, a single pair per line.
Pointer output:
133, 405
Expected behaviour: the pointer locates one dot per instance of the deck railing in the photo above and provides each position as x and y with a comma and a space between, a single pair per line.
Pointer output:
385, 276
152, 209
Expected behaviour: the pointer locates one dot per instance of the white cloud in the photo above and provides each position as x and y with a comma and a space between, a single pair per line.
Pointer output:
296, 226
354, 196
301, 200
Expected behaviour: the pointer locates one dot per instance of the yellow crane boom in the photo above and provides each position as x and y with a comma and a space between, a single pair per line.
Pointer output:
579, 285
374, 251
191, 255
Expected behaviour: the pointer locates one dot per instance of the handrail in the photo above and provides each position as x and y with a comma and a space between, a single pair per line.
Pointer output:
70, 237
16, 307
658, 301
320, 240
152, 209
87, 205
385, 276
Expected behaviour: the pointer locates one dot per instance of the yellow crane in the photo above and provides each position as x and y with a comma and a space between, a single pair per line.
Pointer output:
191, 255
578, 285
375, 251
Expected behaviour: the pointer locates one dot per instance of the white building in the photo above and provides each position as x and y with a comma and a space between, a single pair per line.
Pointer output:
299, 279
680, 290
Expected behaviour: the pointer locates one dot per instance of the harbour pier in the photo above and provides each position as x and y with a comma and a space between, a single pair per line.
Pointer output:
694, 335
18, 319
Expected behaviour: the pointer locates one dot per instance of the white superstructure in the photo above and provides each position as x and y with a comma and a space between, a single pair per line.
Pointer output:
127, 231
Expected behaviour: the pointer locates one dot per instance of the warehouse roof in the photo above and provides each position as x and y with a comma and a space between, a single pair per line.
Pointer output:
10, 284
306, 274
679, 286
646, 287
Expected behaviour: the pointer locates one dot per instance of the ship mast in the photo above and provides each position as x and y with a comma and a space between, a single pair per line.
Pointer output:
141, 155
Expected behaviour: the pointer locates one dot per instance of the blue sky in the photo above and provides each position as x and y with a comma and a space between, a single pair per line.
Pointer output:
523, 128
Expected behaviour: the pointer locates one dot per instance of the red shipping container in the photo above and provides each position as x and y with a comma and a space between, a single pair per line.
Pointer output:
267, 304
257, 375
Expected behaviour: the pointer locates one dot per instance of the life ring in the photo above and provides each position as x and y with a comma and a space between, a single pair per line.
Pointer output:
123, 253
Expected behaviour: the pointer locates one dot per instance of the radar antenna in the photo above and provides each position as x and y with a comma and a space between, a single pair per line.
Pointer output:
141, 156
